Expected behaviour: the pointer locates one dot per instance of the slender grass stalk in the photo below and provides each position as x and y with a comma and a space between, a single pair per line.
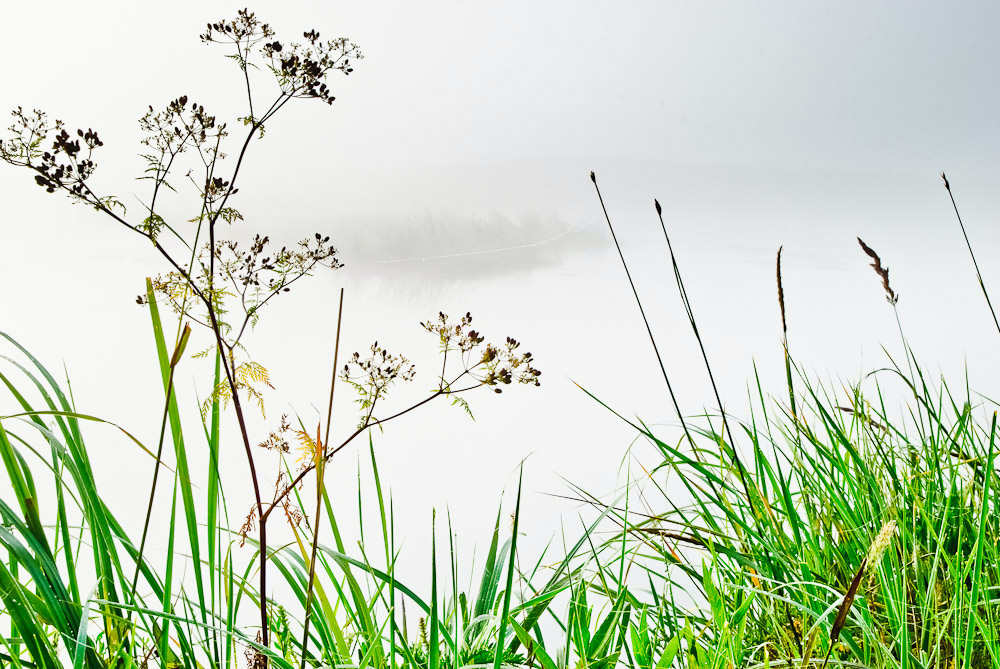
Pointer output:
784, 342
320, 471
649, 331
701, 345
174, 360
434, 642
968, 244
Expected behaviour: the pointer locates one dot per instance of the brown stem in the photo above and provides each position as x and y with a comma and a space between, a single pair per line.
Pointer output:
229, 366
319, 489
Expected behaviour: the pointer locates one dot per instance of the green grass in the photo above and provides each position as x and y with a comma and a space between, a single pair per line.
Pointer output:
825, 483
853, 537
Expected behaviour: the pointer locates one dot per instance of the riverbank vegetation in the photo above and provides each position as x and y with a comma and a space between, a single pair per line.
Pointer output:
854, 526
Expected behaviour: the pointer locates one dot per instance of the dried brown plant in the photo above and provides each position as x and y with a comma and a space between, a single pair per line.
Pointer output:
781, 297
883, 272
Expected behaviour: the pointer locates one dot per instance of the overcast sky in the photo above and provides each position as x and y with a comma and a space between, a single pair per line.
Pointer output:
452, 172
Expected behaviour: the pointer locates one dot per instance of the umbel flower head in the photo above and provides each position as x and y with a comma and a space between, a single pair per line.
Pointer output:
495, 365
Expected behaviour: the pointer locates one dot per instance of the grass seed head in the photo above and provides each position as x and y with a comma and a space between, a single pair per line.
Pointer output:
883, 272
879, 546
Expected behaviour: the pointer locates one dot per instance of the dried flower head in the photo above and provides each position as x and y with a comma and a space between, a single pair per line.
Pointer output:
301, 69
179, 127
65, 164
495, 365
374, 375
245, 28
276, 440
781, 295
883, 272
502, 365
458, 336
248, 525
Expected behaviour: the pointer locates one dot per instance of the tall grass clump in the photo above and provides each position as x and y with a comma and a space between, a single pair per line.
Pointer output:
865, 532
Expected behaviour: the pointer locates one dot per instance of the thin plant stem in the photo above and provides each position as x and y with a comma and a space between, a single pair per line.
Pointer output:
320, 471
663, 369
788, 358
174, 360
152, 488
368, 424
968, 244
697, 335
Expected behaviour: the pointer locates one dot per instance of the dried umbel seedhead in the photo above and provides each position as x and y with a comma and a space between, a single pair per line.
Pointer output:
504, 366
248, 277
495, 364
458, 336
246, 28
179, 127
374, 375
64, 164
301, 69
273, 272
